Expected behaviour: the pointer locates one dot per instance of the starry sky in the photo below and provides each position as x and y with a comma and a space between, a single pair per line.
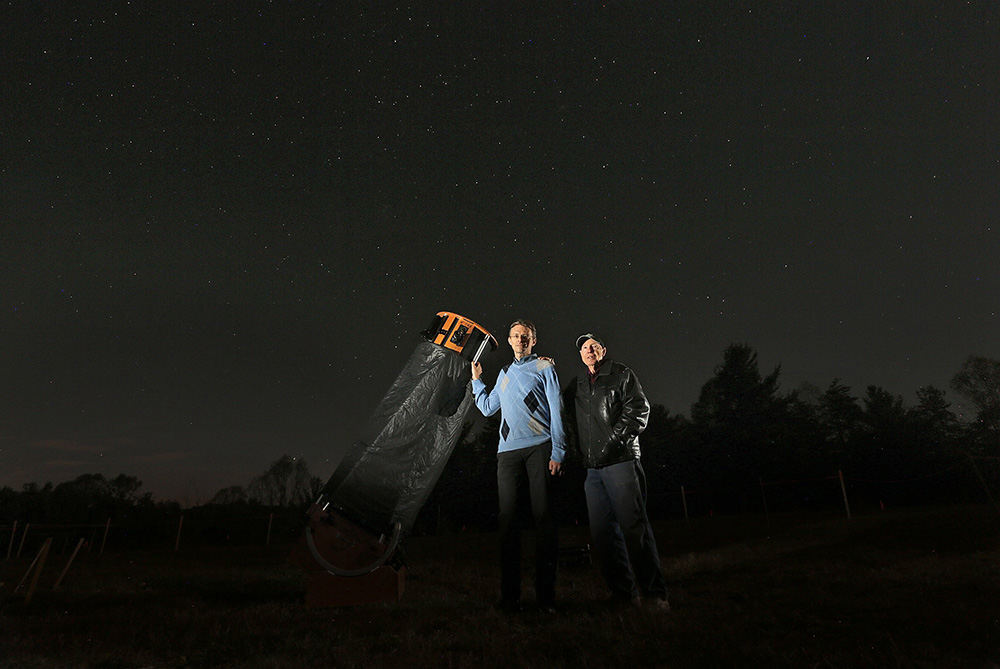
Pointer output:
223, 224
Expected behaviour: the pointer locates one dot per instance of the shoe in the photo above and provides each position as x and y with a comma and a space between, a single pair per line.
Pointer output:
623, 603
659, 605
508, 606
548, 608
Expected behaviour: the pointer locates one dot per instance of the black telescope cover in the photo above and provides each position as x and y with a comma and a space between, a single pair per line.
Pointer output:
388, 476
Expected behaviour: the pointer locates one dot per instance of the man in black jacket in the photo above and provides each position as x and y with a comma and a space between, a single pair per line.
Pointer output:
607, 411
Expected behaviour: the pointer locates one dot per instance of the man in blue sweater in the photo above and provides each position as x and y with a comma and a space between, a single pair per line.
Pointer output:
532, 447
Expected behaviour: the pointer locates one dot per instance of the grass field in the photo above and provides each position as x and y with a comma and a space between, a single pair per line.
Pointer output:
914, 588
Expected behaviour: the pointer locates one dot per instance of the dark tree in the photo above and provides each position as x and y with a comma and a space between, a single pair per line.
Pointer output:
737, 420
286, 483
979, 382
839, 418
125, 489
882, 449
807, 453
936, 428
667, 458
235, 494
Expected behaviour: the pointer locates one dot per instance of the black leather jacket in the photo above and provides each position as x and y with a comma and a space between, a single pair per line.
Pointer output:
605, 418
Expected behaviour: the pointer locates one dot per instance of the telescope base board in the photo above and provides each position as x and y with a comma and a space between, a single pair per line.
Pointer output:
385, 584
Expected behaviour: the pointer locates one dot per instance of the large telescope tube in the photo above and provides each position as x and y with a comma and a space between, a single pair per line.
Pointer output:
385, 479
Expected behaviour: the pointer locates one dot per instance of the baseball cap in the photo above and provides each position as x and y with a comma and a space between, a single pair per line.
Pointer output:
588, 335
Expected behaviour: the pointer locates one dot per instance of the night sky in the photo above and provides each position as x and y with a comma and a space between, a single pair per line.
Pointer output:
222, 225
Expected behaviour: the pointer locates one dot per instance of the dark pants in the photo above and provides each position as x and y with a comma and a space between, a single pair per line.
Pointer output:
622, 536
526, 467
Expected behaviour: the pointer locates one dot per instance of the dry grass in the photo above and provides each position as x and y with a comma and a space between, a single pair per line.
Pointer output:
908, 589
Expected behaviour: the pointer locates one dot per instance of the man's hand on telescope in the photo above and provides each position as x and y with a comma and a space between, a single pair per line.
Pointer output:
477, 370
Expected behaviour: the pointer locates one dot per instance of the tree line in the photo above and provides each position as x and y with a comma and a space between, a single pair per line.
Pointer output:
743, 432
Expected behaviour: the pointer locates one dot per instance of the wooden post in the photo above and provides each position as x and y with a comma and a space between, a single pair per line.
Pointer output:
31, 567
10, 544
684, 501
180, 524
843, 490
270, 519
76, 550
24, 535
104, 540
763, 496
982, 481
37, 565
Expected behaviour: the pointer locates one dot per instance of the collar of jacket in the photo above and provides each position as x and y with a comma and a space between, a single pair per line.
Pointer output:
603, 370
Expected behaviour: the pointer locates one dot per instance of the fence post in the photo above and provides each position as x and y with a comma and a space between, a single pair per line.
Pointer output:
76, 550
180, 524
982, 481
10, 544
270, 519
684, 501
24, 535
843, 490
763, 496
104, 540
37, 565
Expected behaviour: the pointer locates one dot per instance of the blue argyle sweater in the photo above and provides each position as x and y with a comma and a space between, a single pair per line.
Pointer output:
527, 395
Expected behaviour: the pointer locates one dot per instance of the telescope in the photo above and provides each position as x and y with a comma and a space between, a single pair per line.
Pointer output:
351, 544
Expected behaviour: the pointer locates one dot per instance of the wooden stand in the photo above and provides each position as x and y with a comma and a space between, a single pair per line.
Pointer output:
385, 584
349, 549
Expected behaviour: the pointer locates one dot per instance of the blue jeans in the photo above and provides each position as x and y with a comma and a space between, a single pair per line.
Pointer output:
619, 528
517, 470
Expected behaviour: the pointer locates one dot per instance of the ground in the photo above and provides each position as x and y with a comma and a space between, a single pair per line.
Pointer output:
915, 588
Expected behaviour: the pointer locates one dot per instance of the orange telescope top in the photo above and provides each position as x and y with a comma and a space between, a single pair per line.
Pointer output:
460, 334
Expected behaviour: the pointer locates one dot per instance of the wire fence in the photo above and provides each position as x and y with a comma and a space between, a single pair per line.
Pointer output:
966, 479
972, 479
175, 533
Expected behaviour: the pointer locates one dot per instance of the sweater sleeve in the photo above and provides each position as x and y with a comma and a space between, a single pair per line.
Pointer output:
487, 403
554, 395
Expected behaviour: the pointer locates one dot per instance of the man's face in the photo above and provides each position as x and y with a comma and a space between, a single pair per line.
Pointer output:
521, 340
591, 353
